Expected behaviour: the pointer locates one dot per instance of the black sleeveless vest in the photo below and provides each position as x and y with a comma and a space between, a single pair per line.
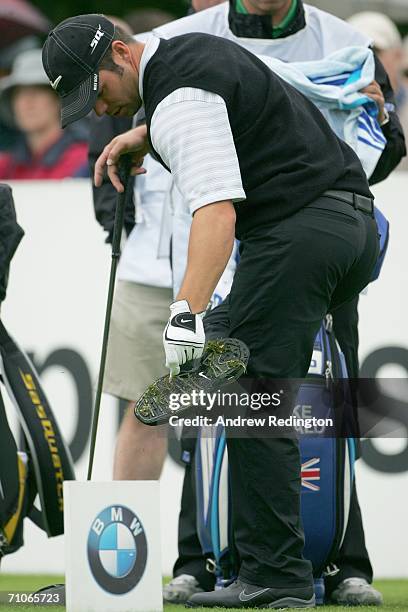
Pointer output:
287, 152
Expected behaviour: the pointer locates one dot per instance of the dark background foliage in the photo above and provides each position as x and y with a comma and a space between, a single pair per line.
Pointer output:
58, 10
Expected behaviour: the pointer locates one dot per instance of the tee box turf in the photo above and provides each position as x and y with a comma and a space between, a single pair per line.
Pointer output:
112, 546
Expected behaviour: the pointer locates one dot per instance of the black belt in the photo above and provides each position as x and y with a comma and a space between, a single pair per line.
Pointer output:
357, 201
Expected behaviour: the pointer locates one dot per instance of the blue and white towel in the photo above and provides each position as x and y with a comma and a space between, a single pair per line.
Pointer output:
334, 84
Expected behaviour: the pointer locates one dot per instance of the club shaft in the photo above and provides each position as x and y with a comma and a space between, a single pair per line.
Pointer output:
117, 235
101, 374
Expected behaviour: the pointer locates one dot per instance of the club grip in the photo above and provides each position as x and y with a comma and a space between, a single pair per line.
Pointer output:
125, 165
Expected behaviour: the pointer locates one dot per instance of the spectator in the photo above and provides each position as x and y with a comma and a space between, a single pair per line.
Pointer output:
9, 133
403, 108
20, 26
405, 61
44, 151
386, 41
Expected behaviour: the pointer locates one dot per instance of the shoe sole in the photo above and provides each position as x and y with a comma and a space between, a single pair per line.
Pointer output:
291, 602
223, 361
279, 604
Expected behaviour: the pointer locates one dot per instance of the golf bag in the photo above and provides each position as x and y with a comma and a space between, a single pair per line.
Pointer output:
383, 228
327, 463
46, 462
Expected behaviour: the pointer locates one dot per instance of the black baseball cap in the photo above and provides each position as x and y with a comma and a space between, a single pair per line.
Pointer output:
71, 56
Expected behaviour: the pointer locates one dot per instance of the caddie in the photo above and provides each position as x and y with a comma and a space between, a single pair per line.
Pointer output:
256, 160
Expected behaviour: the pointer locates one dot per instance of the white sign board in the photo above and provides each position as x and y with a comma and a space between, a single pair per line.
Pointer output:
112, 547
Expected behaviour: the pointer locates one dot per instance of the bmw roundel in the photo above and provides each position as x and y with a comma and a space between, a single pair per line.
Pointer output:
117, 549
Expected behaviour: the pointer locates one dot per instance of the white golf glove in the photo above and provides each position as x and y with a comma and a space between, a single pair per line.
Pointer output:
183, 337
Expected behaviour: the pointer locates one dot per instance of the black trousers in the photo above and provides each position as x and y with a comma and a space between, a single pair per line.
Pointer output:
290, 275
353, 559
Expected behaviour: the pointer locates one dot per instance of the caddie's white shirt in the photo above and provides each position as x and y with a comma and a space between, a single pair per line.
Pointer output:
143, 258
145, 255
323, 34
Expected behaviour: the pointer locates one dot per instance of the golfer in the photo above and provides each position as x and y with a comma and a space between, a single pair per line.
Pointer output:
256, 160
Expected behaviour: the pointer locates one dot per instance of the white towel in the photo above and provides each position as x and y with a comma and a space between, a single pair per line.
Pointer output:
334, 84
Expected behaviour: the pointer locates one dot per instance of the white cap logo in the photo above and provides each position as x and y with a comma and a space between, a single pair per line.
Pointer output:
55, 84
96, 38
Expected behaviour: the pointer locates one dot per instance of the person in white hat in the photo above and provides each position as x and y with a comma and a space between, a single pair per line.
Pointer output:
388, 45
403, 108
44, 151
386, 41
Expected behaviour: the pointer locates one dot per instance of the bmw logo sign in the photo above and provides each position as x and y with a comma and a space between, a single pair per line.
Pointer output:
117, 549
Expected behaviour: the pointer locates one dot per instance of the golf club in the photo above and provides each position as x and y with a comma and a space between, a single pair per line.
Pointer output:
124, 174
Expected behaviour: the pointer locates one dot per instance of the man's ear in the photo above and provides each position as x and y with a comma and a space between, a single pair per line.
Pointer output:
121, 52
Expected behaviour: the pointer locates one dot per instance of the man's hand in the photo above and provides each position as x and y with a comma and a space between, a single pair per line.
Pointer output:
373, 91
183, 337
135, 142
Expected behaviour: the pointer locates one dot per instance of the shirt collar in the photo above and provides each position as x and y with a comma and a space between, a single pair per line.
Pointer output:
260, 26
241, 8
286, 21
150, 49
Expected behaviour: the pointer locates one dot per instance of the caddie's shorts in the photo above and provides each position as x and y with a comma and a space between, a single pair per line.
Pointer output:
135, 355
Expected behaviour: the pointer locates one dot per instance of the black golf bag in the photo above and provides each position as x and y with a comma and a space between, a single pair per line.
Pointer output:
45, 462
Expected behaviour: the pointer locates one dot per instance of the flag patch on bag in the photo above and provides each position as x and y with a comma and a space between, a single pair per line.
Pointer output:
310, 474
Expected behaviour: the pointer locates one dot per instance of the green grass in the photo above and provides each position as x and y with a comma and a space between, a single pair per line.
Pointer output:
395, 594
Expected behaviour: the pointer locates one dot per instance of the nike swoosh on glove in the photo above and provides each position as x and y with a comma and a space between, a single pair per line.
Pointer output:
183, 337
